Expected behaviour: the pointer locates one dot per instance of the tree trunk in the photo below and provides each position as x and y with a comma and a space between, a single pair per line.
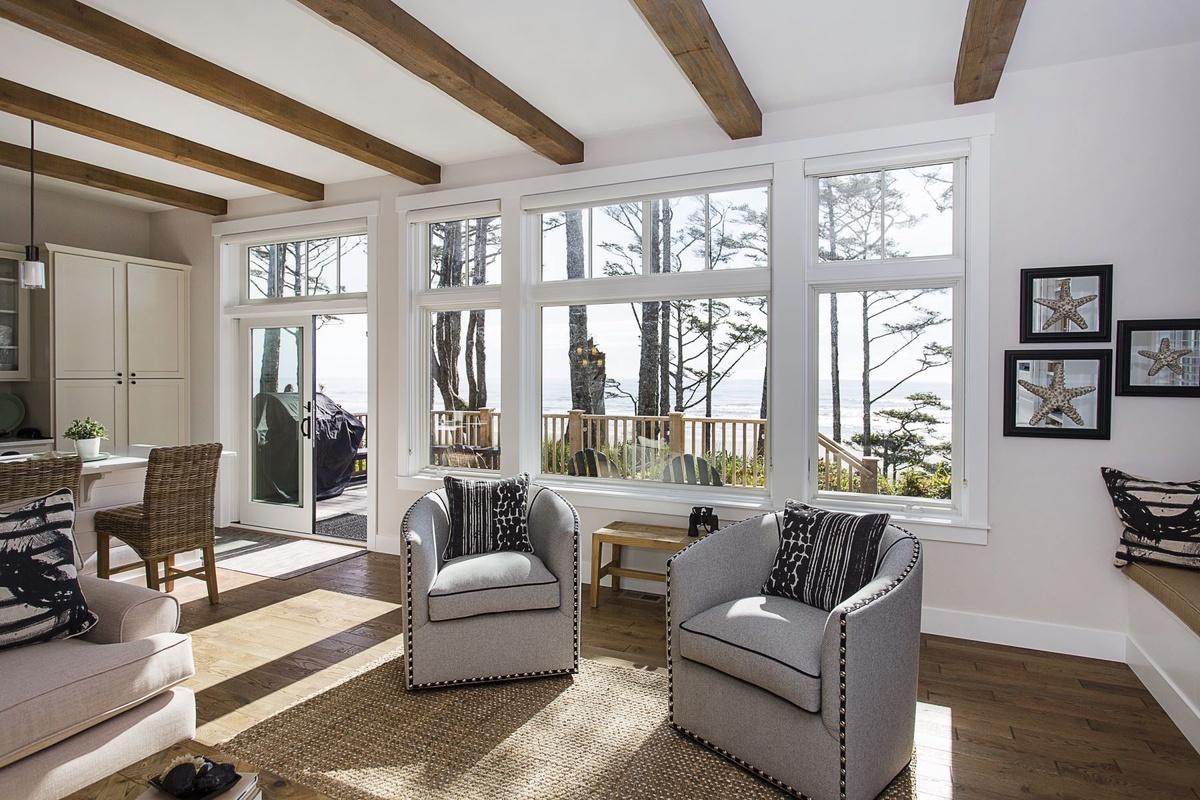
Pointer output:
648, 368
664, 353
835, 377
476, 339
577, 321
268, 375
447, 326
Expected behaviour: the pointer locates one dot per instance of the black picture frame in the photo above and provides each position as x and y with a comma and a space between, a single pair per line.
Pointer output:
1044, 282
1023, 404
1178, 377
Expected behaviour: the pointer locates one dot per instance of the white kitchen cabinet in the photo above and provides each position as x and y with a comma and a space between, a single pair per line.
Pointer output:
119, 328
14, 319
158, 411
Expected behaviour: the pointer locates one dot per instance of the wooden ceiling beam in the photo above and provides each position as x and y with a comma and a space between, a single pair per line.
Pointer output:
687, 31
97, 33
33, 104
988, 35
68, 169
402, 38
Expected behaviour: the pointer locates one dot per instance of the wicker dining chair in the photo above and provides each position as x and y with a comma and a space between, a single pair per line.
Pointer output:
175, 516
35, 477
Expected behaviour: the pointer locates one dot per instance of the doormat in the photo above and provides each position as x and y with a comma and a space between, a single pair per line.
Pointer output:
344, 526
272, 556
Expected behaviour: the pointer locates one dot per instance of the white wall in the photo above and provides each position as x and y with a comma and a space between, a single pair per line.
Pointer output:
1092, 163
74, 221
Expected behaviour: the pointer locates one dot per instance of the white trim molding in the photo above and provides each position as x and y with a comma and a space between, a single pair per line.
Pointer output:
1047, 636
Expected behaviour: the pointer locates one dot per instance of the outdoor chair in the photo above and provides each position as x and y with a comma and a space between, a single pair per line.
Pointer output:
820, 703
491, 616
37, 477
176, 515
691, 469
590, 463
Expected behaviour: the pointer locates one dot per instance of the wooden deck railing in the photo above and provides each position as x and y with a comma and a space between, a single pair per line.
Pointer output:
640, 446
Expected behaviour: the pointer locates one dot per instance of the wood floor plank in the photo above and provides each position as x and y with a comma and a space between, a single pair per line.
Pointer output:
992, 721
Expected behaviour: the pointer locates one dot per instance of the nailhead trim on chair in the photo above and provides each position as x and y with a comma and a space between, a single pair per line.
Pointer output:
408, 651
841, 684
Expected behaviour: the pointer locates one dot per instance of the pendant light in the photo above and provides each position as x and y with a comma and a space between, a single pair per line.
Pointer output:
32, 269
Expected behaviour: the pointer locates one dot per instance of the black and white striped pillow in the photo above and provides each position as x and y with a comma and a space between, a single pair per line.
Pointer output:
486, 515
40, 598
1161, 519
824, 556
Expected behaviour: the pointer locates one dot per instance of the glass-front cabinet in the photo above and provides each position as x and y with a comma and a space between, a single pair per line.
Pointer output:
14, 318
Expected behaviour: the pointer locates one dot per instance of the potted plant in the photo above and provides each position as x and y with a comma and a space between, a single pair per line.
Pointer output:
86, 434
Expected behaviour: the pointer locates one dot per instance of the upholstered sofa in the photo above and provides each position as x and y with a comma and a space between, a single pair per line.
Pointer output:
75, 710
820, 703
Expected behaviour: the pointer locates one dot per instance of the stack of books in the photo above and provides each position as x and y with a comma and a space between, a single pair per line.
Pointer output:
246, 788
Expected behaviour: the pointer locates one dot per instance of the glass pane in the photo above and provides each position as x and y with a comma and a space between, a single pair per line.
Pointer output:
353, 263
684, 222
321, 261
464, 389
690, 403
9, 329
1033, 412
276, 270
1147, 365
276, 359
884, 404
464, 252
895, 213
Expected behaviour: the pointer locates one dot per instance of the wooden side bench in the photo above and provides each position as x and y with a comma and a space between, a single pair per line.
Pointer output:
1176, 588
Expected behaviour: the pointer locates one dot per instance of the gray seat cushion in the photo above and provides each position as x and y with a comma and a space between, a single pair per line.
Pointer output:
55, 689
771, 642
488, 583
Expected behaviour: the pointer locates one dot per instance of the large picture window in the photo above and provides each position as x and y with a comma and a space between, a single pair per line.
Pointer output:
665, 385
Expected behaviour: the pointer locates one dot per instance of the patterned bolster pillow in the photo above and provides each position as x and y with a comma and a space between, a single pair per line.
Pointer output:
1161, 519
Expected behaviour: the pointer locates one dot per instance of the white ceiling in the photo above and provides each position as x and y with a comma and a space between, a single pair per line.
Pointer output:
591, 65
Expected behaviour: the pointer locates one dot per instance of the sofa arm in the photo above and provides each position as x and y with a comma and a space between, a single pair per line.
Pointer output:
419, 530
882, 627
723, 566
127, 612
554, 534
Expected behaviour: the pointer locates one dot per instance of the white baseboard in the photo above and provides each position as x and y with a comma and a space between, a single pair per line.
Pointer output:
1178, 706
1047, 636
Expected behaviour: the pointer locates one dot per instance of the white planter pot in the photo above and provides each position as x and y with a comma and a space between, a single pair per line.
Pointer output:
87, 448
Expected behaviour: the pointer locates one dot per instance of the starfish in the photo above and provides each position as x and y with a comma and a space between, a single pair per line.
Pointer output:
1164, 357
1056, 396
1065, 307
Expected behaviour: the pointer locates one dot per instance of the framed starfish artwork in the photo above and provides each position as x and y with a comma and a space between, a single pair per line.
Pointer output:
1066, 304
1158, 357
1058, 393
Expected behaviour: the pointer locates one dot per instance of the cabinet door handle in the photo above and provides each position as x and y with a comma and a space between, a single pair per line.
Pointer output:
133, 374
119, 374
132, 382
119, 383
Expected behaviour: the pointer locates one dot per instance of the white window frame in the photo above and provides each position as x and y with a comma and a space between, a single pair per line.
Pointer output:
427, 301
965, 272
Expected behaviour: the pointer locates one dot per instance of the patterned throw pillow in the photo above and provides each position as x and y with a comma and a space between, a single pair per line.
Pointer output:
1161, 519
487, 515
40, 598
824, 556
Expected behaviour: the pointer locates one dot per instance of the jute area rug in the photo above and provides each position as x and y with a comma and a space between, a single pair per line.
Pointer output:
600, 734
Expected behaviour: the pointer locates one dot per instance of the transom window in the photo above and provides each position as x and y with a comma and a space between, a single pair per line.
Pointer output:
307, 267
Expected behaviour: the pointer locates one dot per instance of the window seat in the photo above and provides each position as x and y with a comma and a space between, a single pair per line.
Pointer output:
1176, 588
1163, 643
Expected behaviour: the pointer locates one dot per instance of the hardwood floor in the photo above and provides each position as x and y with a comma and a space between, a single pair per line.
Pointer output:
992, 721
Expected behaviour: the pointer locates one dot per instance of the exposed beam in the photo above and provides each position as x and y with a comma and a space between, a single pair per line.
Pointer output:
68, 169
987, 37
101, 35
68, 115
403, 39
687, 31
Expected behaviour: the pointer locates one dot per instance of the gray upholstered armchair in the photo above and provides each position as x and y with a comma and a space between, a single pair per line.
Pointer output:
491, 616
819, 703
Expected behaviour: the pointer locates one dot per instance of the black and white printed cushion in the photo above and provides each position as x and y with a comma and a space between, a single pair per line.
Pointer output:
1161, 519
40, 598
486, 515
824, 556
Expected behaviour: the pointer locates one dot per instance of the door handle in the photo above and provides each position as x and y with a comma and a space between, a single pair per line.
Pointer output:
306, 427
